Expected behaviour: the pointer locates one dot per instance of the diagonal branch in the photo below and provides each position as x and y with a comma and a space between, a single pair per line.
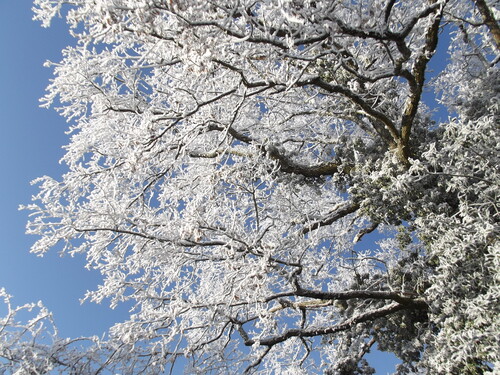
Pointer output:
344, 326
332, 217
392, 138
489, 20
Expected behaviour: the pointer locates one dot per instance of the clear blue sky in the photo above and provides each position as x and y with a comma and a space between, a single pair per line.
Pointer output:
30, 146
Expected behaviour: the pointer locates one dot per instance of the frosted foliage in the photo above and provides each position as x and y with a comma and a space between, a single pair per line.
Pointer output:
261, 180
33, 347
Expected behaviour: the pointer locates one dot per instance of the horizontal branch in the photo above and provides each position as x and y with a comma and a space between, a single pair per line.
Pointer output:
312, 332
289, 166
285, 163
180, 242
408, 299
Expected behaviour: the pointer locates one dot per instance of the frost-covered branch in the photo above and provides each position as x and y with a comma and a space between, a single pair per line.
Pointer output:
264, 182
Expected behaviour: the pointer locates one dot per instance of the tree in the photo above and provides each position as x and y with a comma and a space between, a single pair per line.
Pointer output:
264, 181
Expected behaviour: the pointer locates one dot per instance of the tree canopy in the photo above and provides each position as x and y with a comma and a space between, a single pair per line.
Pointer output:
264, 181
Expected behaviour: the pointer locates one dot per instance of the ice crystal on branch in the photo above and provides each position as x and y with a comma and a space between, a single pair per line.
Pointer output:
263, 180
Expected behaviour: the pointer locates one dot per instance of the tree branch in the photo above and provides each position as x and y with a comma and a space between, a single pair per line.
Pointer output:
363, 294
369, 110
332, 217
286, 164
489, 20
349, 323
417, 83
